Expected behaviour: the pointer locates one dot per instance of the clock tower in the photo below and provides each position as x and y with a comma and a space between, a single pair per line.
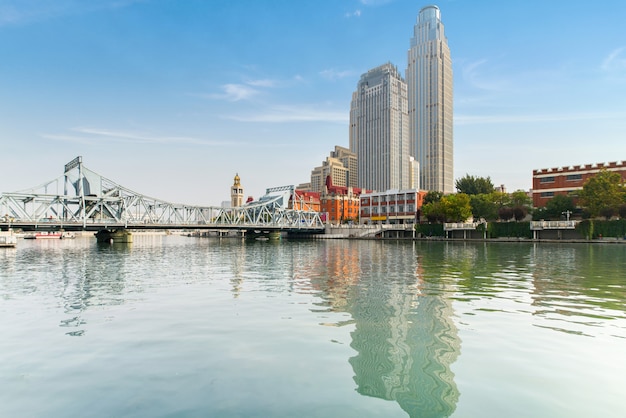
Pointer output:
236, 193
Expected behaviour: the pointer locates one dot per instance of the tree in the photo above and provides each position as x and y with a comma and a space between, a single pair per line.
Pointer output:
434, 212
557, 206
484, 207
505, 213
474, 185
457, 207
519, 212
602, 191
450, 208
608, 212
501, 199
432, 196
520, 198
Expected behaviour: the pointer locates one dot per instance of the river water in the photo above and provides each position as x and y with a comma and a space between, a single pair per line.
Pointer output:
173, 326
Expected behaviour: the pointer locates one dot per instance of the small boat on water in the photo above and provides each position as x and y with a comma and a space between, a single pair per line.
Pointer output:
7, 239
50, 235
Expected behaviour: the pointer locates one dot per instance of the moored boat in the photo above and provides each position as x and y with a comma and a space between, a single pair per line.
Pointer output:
44, 235
50, 235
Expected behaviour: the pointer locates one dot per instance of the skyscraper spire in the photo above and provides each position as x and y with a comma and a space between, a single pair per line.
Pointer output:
430, 98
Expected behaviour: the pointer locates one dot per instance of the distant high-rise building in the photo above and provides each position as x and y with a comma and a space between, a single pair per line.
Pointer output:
349, 161
341, 166
379, 130
430, 91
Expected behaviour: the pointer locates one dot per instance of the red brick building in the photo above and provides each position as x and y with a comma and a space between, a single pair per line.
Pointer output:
306, 200
549, 182
340, 203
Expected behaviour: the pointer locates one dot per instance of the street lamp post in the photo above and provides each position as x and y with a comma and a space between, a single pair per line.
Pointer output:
567, 213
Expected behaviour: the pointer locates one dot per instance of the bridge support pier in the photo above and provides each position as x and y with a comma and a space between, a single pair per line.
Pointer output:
263, 235
114, 235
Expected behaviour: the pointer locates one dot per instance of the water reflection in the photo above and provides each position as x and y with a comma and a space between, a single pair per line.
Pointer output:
578, 286
565, 288
405, 338
401, 306
400, 299
92, 281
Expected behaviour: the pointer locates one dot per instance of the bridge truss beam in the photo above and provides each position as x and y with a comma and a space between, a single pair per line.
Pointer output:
89, 198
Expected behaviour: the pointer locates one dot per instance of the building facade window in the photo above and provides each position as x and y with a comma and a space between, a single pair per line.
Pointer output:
547, 179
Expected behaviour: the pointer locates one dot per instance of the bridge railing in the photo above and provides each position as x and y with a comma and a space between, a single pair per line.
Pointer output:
540, 225
460, 226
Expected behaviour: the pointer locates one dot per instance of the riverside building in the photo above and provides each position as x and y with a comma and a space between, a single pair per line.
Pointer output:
391, 207
379, 130
340, 204
567, 181
430, 99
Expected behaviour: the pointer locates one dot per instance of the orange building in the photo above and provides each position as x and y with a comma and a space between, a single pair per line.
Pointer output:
340, 204
306, 200
549, 182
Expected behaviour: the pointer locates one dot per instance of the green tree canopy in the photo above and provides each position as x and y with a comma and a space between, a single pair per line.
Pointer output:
450, 208
432, 196
558, 206
501, 199
434, 212
603, 193
484, 207
520, 198
474, 185
457, 207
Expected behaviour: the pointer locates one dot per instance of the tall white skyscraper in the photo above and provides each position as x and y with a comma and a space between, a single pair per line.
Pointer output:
430, 91
379, 130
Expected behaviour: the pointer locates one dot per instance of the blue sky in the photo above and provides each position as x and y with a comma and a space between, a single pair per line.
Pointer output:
172, 98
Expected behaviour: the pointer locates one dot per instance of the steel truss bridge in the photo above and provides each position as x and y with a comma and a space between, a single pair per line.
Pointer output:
91, 202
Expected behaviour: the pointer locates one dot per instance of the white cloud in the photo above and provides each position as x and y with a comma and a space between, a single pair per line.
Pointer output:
87, 135
615, 62
281, 114
494, 119
474, 75
356, 13
332, 74
375, 2
235, 92
262, 83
